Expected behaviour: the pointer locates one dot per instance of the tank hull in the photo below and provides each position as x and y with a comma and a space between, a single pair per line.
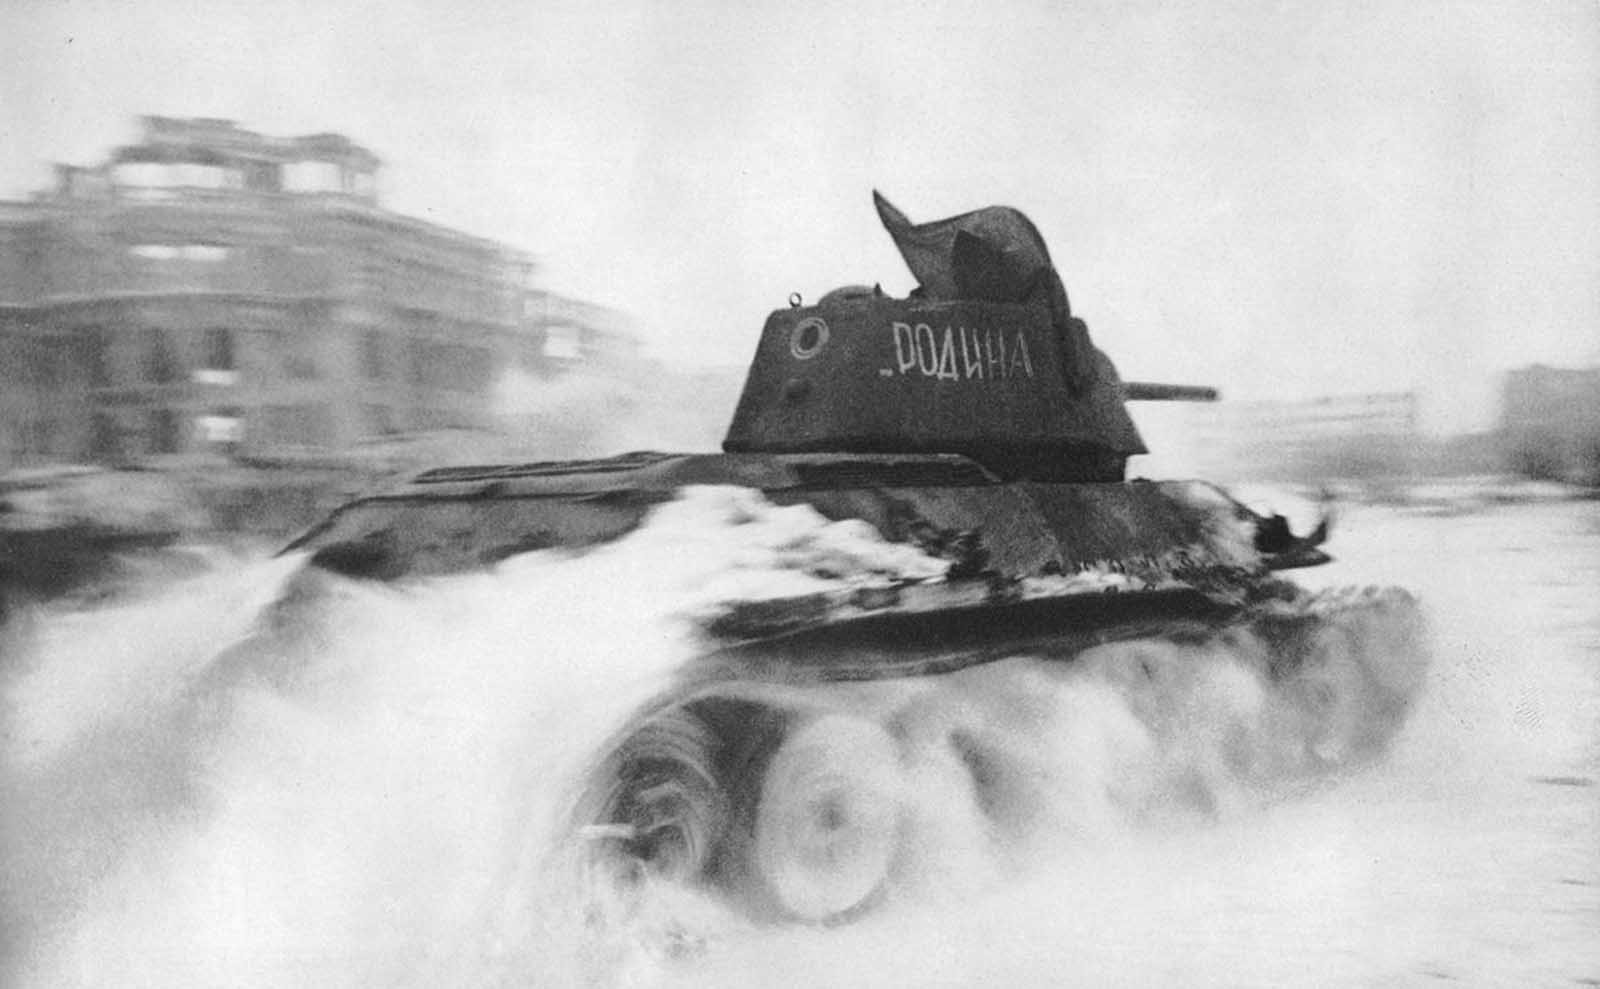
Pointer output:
462, 518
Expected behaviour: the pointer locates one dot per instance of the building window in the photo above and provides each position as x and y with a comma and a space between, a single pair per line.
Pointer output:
300, 425
146, 179
372, 356
221, 428
419, 361
468, 369
217, 359
200, 176
204, 253
36, 436
164, 433
298, 346
293, 351
43, 365
155, 252
427, 418
92, 352
219, 349
300, 363
262, 176
159, 364
141, 173
209, 253
105, 440
380, 421
312, 176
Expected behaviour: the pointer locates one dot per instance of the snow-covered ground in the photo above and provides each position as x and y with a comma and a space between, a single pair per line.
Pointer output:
375, 803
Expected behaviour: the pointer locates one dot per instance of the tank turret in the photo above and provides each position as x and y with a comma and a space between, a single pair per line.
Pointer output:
985, 360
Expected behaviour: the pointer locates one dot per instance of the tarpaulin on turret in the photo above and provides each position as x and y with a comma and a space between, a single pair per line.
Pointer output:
994, 254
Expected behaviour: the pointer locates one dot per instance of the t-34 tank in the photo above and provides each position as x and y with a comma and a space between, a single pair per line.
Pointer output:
976, 422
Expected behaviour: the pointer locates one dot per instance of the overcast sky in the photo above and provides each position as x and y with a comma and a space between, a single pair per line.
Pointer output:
1280, 198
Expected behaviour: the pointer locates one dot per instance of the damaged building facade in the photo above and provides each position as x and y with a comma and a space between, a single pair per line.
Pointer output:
211, 289
1549, 425
1366, 438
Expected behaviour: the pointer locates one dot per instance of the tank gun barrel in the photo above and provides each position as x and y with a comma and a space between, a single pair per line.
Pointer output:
1147, 391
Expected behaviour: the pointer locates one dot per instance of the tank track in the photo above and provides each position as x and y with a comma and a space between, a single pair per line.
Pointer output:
791, 801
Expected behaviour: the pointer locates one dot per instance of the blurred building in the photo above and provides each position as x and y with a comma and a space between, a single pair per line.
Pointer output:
1365, 438
1550, 423
210, 288
569, 334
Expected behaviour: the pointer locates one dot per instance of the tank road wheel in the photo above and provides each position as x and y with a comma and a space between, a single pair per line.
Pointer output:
1332, 689
662, 801
1362, 667
827, 821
